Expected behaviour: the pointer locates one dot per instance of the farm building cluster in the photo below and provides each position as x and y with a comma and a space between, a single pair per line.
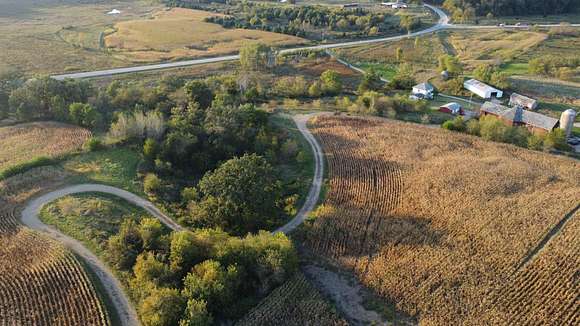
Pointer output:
519, 112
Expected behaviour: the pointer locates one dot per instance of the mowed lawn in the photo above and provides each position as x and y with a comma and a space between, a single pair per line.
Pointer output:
182, 33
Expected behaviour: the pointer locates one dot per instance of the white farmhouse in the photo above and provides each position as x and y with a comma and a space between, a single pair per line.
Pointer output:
424, 90
482, 90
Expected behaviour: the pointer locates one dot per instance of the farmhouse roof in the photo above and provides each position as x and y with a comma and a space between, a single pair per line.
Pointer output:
519, 115
518, 99
425, 87
474, 83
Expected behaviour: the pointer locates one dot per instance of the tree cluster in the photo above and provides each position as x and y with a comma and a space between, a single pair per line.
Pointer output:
77, 102
493, 129
197, 278
300, 20
492, 75
329, 83
565, 68
470, 8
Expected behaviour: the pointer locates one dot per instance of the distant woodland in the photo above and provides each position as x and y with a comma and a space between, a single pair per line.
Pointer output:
513, 7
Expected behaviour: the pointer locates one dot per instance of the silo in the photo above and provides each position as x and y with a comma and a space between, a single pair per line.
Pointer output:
567, 121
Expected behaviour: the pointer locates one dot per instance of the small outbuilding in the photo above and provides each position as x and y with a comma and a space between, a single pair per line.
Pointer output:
114, 12
425, 90
523, 101
452, 108
482, 90
395, 5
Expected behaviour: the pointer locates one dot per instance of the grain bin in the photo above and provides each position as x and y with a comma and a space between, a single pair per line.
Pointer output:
567, 121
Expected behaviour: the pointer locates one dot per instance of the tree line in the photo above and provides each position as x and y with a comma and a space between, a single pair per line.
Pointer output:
300, 20
493, 129
497, 8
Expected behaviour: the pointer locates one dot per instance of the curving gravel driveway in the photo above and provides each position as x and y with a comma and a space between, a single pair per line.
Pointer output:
125, 310
314, 193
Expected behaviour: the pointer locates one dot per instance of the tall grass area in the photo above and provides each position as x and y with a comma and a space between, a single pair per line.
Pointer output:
113, 166
90, 217
296, 174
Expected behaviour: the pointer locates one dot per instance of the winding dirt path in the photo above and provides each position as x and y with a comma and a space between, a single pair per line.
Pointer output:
125, 310
314, 192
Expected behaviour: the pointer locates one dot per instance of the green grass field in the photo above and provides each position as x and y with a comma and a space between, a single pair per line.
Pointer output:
386, 71
515, 68
116, 167
90, 218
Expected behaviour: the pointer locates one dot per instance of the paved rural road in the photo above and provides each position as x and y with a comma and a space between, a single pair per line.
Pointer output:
314, 193
441, 24
126, 312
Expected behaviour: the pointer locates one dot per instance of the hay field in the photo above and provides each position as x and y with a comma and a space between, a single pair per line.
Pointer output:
55, 36
181, 33
23, 142
41, 282
442, 223
495, 46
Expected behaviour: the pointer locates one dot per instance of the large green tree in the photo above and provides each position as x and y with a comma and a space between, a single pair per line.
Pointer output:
240, 196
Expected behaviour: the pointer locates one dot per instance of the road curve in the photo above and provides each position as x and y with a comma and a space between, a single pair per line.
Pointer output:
125, 310
441, 24
314, 192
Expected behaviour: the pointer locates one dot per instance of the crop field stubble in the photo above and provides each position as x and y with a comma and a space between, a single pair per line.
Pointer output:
23, 142
296, 302
437, 222
41, 282
182, 33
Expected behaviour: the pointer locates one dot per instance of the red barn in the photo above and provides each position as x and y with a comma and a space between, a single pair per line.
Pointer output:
452, 108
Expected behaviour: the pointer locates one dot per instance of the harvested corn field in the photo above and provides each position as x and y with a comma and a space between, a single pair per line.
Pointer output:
438, 222
41, 283
23, 142
296, 302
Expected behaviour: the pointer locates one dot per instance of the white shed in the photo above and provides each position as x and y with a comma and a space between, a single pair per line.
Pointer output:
482, 90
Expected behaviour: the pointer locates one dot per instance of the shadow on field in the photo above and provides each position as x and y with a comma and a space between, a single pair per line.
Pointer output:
361, 205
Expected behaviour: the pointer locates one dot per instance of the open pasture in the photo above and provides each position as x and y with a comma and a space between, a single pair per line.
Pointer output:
443, 224
182, 33
50, 36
